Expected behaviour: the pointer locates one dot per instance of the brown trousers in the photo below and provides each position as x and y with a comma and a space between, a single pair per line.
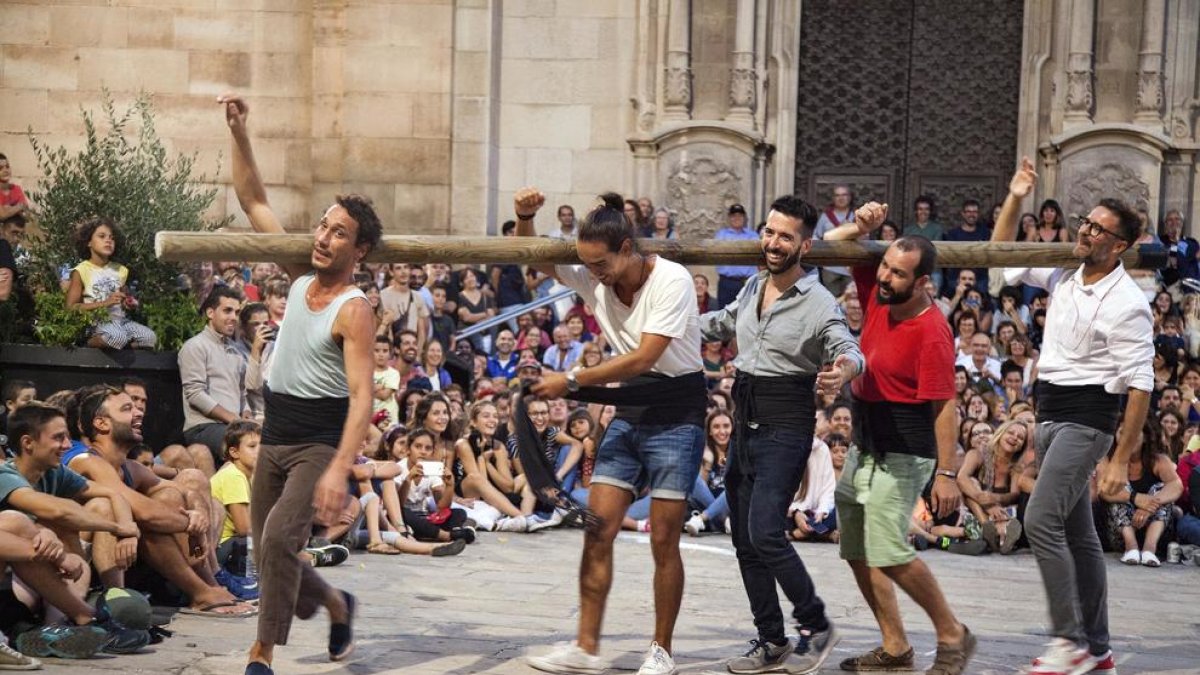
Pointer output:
281, 519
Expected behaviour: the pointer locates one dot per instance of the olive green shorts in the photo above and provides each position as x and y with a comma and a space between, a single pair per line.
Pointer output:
875, 503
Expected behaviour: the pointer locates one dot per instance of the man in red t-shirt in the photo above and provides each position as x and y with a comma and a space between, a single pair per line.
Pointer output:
907, 427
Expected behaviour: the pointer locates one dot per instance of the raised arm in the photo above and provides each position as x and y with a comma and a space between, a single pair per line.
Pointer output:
1019, 187
247, 182
526, 203
867, 218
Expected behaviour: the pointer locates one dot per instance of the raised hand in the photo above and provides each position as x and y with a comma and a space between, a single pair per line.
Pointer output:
1023, 180
236, 110
527, 201
870, 216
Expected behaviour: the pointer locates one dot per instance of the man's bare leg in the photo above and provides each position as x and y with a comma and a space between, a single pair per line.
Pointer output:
104, 547
880, 595
920, 585
596, 565
666, 523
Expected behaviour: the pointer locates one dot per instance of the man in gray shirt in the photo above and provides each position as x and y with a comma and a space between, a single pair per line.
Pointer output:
788, 328
212, 370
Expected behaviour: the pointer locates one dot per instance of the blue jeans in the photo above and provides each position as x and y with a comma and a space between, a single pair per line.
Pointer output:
761, 484
569, 480
663, 457
715, 509
1187, 530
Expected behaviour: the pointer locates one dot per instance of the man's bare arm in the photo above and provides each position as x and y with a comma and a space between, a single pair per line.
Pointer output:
150, 514
526, 203
1019, 187
247, 182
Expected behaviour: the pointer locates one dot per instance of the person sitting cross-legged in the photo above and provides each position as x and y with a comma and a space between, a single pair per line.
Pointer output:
34, 485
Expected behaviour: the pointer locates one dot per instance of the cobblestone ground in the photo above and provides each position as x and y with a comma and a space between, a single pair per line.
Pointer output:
513, 594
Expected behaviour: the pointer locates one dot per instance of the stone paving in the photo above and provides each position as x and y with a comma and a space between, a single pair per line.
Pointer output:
510, 594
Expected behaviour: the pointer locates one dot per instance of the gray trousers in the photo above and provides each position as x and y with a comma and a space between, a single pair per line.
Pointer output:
1058, 524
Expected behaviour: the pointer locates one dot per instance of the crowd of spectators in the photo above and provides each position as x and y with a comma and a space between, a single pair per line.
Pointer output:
440, 463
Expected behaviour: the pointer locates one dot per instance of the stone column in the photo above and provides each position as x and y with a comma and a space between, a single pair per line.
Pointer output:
742, 76
1079, 64
677, 90
1150, 65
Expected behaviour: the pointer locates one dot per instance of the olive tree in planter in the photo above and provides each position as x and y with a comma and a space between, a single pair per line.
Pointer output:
125, 173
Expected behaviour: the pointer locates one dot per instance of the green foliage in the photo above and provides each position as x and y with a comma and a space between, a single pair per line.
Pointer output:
174, 318
124, 173
57, 326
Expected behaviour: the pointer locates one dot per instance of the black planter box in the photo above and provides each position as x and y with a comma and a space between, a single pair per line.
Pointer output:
55, 368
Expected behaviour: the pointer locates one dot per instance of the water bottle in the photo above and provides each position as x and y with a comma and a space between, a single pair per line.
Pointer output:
1174, 553
251, 571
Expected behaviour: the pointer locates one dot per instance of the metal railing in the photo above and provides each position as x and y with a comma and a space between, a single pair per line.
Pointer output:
488, 324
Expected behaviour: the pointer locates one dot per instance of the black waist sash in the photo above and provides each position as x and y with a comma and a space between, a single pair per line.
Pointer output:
886, 426
782, 400
653, 398
1086, 404
292, 420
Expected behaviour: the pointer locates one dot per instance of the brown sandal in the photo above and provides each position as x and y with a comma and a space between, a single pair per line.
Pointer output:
382, 549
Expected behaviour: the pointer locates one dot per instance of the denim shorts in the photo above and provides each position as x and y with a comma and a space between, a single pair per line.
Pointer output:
663, 457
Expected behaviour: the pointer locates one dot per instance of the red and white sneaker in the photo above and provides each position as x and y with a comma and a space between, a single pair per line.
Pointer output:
1066, 658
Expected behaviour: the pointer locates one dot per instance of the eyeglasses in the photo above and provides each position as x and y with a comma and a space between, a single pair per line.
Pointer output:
539, 413
981, 432
1093, 229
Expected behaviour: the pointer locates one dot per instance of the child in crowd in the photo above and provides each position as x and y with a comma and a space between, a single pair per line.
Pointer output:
386, 381
16, 393
426, 498
231, 487
98, 282
814, 517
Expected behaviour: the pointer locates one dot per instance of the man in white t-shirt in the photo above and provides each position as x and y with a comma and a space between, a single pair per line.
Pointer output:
646, 307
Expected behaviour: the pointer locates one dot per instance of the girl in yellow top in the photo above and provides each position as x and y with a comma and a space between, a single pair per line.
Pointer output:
99, 282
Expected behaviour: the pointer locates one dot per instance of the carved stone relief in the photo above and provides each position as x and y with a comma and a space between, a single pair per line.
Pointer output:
701, 187
741, 88
1107, 180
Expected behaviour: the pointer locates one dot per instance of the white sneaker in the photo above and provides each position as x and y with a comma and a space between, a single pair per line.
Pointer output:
695, 525
1064, 657
1132, 557
728, 526
658, 662
1150, 560
11, 659
539, 523
512, 524
569, 659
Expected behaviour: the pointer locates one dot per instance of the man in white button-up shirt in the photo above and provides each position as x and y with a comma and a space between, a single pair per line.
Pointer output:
1098, 347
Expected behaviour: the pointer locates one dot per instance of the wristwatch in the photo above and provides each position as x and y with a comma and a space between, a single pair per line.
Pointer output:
572, 383
947, 473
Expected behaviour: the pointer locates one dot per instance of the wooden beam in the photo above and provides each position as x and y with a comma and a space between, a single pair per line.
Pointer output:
297, 248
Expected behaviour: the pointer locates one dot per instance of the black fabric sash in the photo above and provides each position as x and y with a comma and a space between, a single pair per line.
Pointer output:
653, 398
292, 420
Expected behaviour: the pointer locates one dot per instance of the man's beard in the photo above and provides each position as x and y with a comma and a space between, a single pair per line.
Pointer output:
896, 298
788, 263
125, 436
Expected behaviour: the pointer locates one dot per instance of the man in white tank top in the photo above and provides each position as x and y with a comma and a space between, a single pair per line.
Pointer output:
322, 371
647, 309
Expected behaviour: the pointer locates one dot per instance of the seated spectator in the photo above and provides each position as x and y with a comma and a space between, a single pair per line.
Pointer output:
532, 339
433, 361
704, 300
978, 410
503, 364
988, 481
424, 497
231, 488
175, 457
403, 306
708, 494
841, 419
1022, 353
1172, 424
591, 355
34, 485
98, 282
980, 365
256, 332
483, 472
1012, 383
578, 330
12, 197
163, 510
812, 513
16, 395
966, 324
1145, 505
712, 354
213, 373
565, 352
408, 351
1189, 524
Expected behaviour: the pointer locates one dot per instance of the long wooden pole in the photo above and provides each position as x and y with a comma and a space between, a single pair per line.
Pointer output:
297, 248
